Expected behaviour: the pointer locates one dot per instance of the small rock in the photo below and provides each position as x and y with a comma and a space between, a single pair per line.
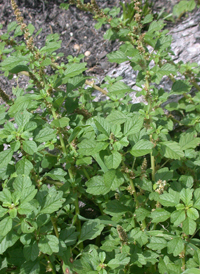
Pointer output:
87, 53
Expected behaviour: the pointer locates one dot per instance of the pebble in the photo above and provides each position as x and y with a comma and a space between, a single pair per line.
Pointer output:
87, 53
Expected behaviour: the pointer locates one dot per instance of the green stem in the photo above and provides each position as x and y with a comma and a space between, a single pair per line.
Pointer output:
136, 200
51, 182
152, 163
196, 85
55, 227
50, 264
86, 174
60, 135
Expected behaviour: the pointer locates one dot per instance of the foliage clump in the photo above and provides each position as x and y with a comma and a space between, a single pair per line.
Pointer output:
99, 187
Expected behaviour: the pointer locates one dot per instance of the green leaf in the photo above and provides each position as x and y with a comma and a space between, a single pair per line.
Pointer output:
113, 160
6, 197
27, 226
157, 243
186, 195
30, 147
60, 123
197, 204
5, 226
49, 244
116, 117
192, 213
133, 125
172, 150
141, 214
21, 103
19, 68
12, 61
147, 19
189, 140
3, 211
73, 70
51, 47
87, 147
53, 201
96, 186
22, 118
175, 246
90, 230
155, 25
189, 226
26, 208
142, 148
114, 178
116, 208
180, 87
120, 259
57, 174
30, 267
192, 271
118, 89
45, 134
164, 174
168, 199
31, 252
102, 125
5, 157
24, 186
24, 166
160, 215
177, 217
69, 235
117, 57
9, 240
84, 161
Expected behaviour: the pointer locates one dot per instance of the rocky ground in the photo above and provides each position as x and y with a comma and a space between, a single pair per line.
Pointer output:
78, 35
